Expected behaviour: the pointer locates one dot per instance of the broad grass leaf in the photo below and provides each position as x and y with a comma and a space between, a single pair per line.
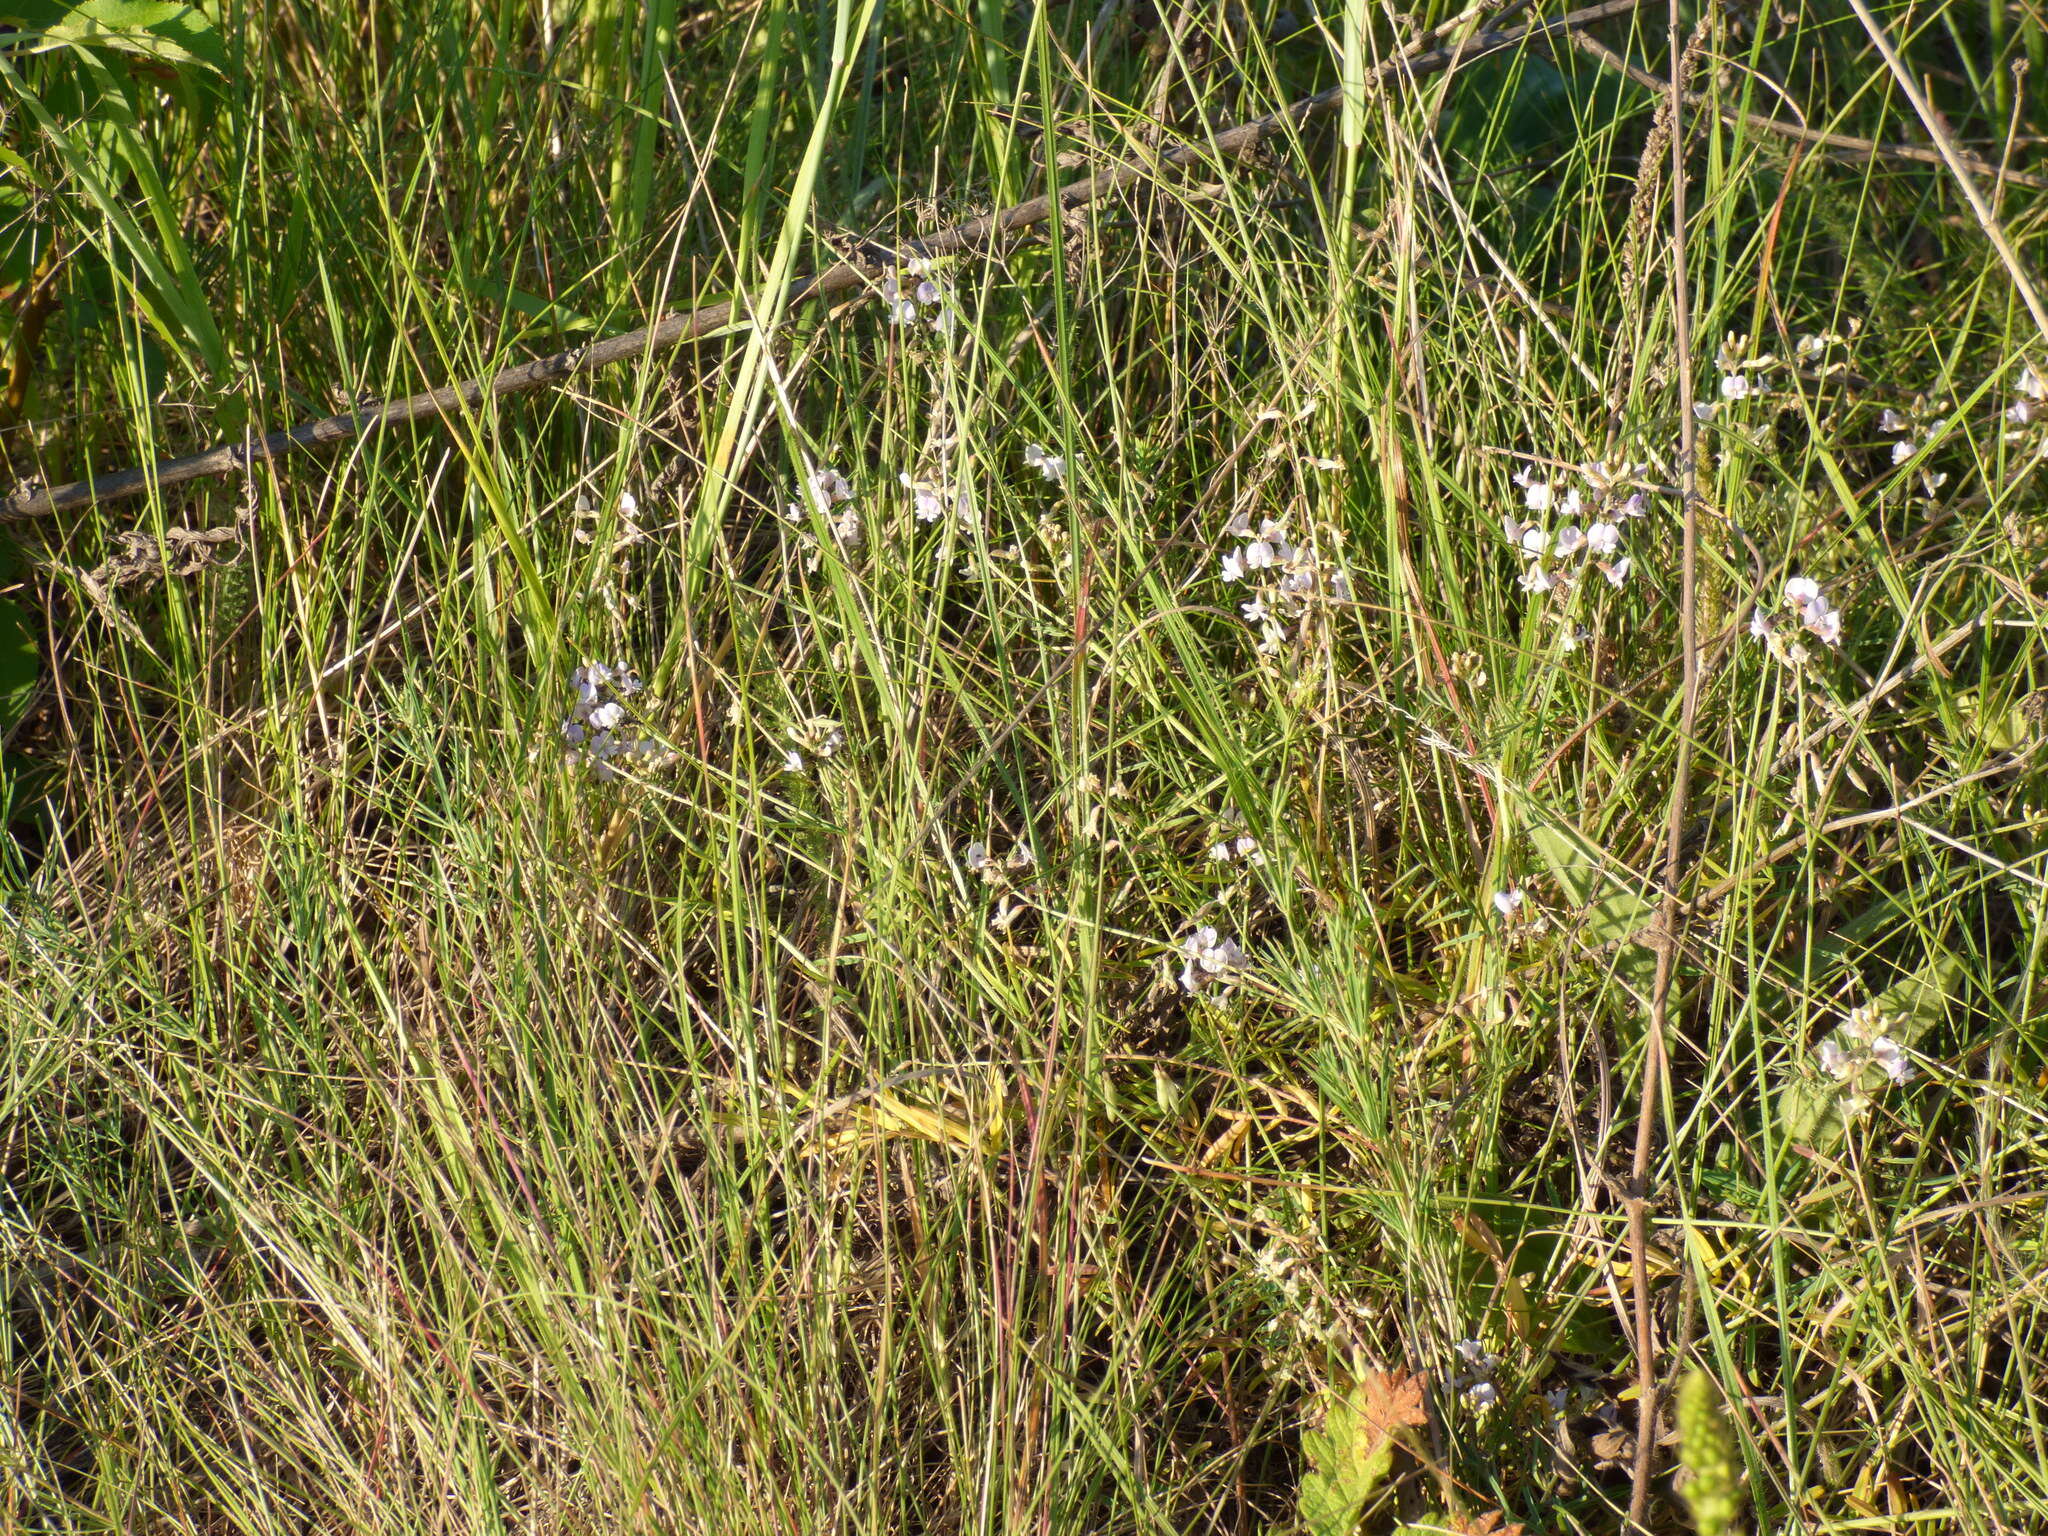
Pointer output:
167, 31
1609, 913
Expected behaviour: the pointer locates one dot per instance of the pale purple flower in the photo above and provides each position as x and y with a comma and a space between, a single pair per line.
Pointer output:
1603, 539
1050, 465
1210, 958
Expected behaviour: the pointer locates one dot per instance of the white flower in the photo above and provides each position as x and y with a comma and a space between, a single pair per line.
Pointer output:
1050, 465
792, 761
1254, 611
1233, 565
1536, 579
1259, 555
1248, 849
1812, 346
1513, 527
1474, 1354
1891, 1056
1760, 624
1637, 505
820, 736
1903, 450
1534, 542
1569, 541
1571, 505
608, 717
2031, 384
828, 488
1603, 539
1736, 386
1617, 573
629, 505
1803, 596
1537, 492
929, 500
1219, 853
1894, 421
977, 859
1703, 410
1209, 957
1239, 526
1483, 1395
1835, 1061
1508, 902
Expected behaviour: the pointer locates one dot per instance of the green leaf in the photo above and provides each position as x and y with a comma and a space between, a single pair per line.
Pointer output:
546, 314
1350, 1456
20, 664
92, 154
167, 31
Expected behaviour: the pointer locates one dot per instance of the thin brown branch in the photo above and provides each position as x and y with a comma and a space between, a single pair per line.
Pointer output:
1671, 914
454, 402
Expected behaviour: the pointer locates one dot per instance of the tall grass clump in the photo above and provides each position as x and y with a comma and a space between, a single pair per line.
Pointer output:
1259, 857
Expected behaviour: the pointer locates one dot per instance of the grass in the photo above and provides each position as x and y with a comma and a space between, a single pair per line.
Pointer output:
408, 1127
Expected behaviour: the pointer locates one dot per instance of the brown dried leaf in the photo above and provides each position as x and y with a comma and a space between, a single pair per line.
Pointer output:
1392, 1400
1493, 1523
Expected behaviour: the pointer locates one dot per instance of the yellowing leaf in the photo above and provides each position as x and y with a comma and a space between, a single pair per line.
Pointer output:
1350, 1456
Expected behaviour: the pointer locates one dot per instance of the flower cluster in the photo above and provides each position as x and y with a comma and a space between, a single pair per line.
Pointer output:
1860, 1055
1475, 1382
927, 298
1913, 427
1815, 614
1281, 577
1210, 959
1051, 465
932, 499
820, 736
1556, 559
2027, 415
594, 731
826, 490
